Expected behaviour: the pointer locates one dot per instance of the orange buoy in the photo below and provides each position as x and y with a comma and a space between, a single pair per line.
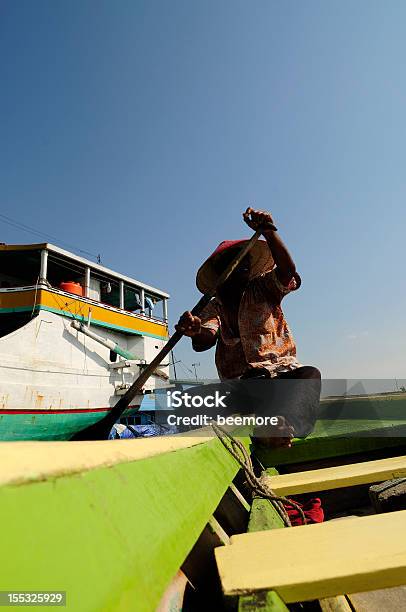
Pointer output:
71, 287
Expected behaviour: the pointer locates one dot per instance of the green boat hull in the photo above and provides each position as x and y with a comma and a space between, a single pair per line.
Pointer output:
42, 426
108, 522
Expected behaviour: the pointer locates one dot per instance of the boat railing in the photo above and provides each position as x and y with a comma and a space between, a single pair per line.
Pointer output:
45, 286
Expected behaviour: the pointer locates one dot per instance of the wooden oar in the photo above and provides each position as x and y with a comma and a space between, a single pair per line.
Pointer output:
101, 429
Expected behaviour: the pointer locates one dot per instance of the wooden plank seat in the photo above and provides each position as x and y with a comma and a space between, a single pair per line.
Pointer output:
338, 476
319, 560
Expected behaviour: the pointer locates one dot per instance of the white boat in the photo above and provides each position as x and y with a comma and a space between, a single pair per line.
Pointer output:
73, 337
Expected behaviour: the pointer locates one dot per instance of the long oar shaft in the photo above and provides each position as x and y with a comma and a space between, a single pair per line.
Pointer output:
101, 429
125, 400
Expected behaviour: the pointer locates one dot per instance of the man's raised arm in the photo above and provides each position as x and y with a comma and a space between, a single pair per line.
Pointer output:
285, 266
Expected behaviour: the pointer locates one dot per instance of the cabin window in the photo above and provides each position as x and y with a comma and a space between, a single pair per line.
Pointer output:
154, 307
161, 307
62, 271
110, 293
109, 289
132, 299
19, 268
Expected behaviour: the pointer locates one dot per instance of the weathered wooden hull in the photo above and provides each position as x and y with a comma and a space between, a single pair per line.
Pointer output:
108, 522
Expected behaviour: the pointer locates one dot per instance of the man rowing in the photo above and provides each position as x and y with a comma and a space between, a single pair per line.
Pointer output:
246, 323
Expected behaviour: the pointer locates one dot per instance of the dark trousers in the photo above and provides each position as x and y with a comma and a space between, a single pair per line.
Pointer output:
293, 395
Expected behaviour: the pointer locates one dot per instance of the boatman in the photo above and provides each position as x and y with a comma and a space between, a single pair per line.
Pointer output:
253, 341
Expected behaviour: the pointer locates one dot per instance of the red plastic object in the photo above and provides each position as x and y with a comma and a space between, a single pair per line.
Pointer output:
71, 287
312, 510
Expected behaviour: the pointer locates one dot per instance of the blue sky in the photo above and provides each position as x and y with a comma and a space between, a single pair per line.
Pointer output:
142, 129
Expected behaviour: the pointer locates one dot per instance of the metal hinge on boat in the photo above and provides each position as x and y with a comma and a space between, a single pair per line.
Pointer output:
126, 363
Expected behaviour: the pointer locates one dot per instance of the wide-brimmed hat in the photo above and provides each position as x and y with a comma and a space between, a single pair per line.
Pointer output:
260, 256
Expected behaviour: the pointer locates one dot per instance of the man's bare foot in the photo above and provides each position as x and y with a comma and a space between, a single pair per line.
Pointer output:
274, 436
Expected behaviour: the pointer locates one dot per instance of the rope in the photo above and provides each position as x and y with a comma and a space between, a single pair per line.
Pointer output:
35, 297
258, 485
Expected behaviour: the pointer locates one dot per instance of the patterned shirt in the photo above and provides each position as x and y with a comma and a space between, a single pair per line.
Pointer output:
263, 338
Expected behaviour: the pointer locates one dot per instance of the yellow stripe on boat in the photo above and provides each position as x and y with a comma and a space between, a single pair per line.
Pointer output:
79, 308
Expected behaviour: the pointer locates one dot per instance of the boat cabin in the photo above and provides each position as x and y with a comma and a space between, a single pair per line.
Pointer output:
43, 276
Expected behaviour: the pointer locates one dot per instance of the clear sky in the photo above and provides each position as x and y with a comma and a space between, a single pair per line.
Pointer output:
142, 129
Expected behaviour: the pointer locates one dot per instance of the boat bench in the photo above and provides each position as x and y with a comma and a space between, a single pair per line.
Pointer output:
269, 567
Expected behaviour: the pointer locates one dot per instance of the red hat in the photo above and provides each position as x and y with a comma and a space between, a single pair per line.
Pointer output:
261, 261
